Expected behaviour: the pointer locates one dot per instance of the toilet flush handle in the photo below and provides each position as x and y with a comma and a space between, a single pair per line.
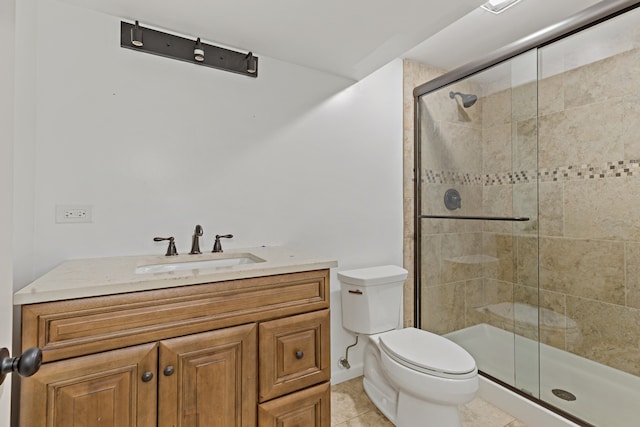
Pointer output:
356, 292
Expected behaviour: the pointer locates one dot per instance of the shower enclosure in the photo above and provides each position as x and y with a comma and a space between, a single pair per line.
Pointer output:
528, 214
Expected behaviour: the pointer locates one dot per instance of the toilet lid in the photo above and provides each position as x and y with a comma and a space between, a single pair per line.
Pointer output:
428, 353
373, 276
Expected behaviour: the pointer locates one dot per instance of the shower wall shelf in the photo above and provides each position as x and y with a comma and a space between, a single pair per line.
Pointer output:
478, 218
472, 259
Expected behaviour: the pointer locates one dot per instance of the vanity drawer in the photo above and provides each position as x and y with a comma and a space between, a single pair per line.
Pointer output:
310, 408
294, 353
64, 329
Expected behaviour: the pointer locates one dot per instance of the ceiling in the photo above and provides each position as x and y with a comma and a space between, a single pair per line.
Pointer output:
480, 32
349, 38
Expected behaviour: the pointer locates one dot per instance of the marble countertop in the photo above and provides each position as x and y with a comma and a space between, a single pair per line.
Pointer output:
105, 276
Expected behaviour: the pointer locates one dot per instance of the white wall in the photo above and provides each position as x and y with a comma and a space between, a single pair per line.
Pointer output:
7, 24
295, 157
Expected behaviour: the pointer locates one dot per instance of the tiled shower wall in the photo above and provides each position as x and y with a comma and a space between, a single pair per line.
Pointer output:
414, 74
588, 129
589, 148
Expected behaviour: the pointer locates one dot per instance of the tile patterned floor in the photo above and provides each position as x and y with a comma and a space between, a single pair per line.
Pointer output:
350, 407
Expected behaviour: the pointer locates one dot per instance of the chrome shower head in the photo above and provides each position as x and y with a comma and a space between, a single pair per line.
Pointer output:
467, 99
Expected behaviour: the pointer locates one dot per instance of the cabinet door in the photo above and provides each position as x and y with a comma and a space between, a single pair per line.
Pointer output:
308, 408
209, 379
104, 389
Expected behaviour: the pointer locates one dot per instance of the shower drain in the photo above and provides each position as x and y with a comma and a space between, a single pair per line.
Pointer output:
563, 394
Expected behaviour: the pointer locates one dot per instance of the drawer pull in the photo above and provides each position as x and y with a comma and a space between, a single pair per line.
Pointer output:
357, 292
147, 376
168, 371
299, 355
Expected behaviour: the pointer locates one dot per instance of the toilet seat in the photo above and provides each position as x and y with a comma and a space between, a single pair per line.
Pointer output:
428, 353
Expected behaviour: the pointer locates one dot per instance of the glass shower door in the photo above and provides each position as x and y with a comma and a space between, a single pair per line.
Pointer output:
478, 226
590, 222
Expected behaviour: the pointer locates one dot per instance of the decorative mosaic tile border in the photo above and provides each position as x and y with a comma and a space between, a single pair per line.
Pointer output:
621, 168
617, 169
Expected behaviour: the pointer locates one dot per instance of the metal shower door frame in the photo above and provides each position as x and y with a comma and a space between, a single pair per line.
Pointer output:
589, 17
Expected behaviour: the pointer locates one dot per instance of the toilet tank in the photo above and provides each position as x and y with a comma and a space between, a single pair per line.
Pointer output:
372, 298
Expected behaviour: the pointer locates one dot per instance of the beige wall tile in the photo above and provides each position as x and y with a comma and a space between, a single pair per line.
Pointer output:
496, 149
497, 200
499, 251
576, 136
443, 308
605, 79
459, 254
551, 208
480, 296
551, 95
526, 311
496, 109
552, 333
631, 126
525, 204
527, 261
525, 156
413, 75
439, 226
526, 295
448, 146
632, 262
431, 260
602, 208
585, 268
408, 297
408, 221
524, 101
613, 343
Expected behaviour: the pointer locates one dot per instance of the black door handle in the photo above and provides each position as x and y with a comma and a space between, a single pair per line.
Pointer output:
25, 365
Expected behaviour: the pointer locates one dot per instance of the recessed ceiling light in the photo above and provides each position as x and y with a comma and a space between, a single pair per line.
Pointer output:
497, 6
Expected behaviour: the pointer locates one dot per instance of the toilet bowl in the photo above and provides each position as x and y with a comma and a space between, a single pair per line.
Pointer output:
414, 377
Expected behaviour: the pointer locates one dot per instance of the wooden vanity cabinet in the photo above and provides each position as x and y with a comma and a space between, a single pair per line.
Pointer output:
100, 389
213, 354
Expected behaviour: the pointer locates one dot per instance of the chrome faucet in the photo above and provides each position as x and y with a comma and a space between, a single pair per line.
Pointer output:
195, 241
217, 247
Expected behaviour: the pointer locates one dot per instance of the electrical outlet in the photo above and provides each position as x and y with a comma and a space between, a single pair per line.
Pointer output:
73, 213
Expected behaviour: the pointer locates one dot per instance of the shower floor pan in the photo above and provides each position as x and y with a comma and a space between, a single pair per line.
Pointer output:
604, 396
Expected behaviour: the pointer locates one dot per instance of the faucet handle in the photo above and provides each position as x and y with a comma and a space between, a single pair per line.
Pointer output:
171, 250
217, 247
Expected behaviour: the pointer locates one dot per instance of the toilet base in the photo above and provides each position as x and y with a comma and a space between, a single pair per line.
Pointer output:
405, 410
384, 398
414, 412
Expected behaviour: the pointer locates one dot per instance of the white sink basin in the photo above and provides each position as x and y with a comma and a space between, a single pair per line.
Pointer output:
207, 264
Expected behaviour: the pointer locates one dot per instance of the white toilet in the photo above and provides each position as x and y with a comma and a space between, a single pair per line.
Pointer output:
414, 377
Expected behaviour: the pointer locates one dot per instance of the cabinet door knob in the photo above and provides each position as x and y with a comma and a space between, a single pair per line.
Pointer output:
147, 376
25, 365
299, 355
168, 371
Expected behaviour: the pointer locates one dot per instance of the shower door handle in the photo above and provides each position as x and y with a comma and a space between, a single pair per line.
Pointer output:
27, 364
478, 218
